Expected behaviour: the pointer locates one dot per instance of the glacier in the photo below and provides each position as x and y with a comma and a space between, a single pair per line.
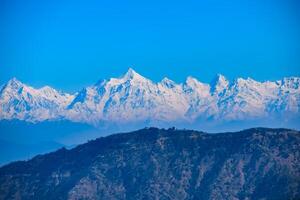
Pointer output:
135, 100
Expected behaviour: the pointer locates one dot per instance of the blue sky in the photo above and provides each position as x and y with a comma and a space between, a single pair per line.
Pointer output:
71, 44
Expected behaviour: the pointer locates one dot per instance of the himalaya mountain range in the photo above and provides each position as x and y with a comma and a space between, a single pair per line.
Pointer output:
136, 100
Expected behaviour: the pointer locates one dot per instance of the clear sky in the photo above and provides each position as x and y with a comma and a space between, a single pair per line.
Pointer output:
72, 44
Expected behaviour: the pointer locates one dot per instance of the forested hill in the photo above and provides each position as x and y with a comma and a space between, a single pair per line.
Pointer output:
153, 163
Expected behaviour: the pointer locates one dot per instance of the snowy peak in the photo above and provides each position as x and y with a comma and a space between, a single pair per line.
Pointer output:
291, 82
48, 91
100, 83
219, 84
53, 95
194, 83
191, 81
13, 84
19, 101
132, 75
129, 77
221, 78
15, 88
168, 83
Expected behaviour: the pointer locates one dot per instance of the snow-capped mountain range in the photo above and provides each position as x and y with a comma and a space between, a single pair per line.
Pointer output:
136, 99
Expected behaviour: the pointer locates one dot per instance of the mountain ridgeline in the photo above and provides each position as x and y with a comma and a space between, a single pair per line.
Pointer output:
136, 101
153, 163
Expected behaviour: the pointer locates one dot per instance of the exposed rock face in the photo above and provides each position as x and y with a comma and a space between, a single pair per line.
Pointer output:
164, 164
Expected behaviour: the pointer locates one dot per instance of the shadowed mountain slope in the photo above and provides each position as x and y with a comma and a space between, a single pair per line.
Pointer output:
155, 163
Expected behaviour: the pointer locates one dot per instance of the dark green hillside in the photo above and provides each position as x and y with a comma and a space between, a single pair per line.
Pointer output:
164, 164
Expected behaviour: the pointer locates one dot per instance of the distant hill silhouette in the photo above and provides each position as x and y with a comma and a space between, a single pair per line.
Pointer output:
153, 163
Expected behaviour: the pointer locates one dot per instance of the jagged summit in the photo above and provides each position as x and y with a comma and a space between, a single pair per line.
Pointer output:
14, 87
219, 84
14, 82
131, 74
100, 82
291, 82
168, 82
191, 79
194, 82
